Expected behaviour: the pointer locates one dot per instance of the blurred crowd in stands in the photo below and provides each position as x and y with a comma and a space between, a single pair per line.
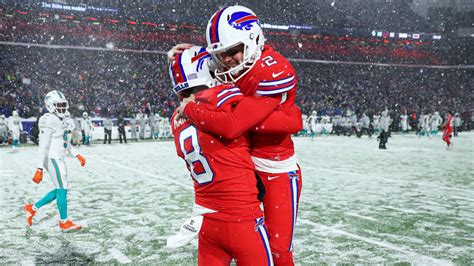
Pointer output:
124, 83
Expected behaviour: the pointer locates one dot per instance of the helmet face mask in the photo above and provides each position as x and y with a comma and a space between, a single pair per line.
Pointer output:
228, 28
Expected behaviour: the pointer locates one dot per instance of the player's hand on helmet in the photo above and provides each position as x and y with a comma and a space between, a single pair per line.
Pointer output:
81, 159
38, 175
178, 49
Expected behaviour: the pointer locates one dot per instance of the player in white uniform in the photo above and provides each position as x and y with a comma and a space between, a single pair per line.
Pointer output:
3, 130
157, 121
54, 144
457, 123
404, 123
325, 126
165, 129
436, 121
365, 126
133, 127
86, 127
305, 130
143, 120
376, 123
426, 125
313, 119
15, 127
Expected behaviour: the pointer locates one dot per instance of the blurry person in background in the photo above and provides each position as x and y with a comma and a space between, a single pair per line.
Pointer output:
121, 129
3, 130
313, 120
436, 121
143, 120
108, 129
86, 128
404, 123
448, 129
158, 119
15, 127
457, 123
365, 126
151, 123
384, 130
133, 128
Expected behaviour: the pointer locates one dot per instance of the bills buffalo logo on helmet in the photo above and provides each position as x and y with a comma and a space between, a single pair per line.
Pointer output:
200, 56
242, 20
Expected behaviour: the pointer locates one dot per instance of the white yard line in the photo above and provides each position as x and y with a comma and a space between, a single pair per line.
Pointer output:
415, 257
361, 216
6, 171
400, 210
143, 173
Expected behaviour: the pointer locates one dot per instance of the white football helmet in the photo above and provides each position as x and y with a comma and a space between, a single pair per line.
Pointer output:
191, 69
85, 115
15, 113
56, 103
228, 28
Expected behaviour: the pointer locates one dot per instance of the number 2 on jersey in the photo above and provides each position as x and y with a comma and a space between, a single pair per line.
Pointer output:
198, 165
269, 60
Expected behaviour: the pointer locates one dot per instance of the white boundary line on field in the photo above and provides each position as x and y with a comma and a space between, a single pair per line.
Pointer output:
144, 173
353, 214
415, 257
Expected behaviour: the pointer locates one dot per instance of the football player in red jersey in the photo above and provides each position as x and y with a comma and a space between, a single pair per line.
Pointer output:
225, 183
236, 43
448, 129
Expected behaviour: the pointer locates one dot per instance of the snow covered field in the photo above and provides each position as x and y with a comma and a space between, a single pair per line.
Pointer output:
413, 203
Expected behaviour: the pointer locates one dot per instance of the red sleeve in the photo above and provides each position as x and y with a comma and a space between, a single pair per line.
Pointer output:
247, 113
288, 120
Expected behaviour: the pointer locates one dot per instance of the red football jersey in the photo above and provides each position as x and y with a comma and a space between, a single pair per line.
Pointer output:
222, 170
449, 123
271, 75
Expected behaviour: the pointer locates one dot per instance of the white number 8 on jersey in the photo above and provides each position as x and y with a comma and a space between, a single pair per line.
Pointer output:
194, 156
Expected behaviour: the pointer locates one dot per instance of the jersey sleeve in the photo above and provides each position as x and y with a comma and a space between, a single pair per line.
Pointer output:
275, 75
275, 86
45, 134
287, 121
230, 124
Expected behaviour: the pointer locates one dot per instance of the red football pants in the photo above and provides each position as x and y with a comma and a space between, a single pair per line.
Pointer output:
220, 241
447, 135
281, 207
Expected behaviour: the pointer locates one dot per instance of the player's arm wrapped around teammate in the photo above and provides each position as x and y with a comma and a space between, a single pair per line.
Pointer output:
288, 120
246, 114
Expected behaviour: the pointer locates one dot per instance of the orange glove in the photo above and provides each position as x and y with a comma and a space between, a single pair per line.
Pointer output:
38, 176
81, 159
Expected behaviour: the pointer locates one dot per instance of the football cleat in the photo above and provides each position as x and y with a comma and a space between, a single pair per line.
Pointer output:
29, 213
68, 225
